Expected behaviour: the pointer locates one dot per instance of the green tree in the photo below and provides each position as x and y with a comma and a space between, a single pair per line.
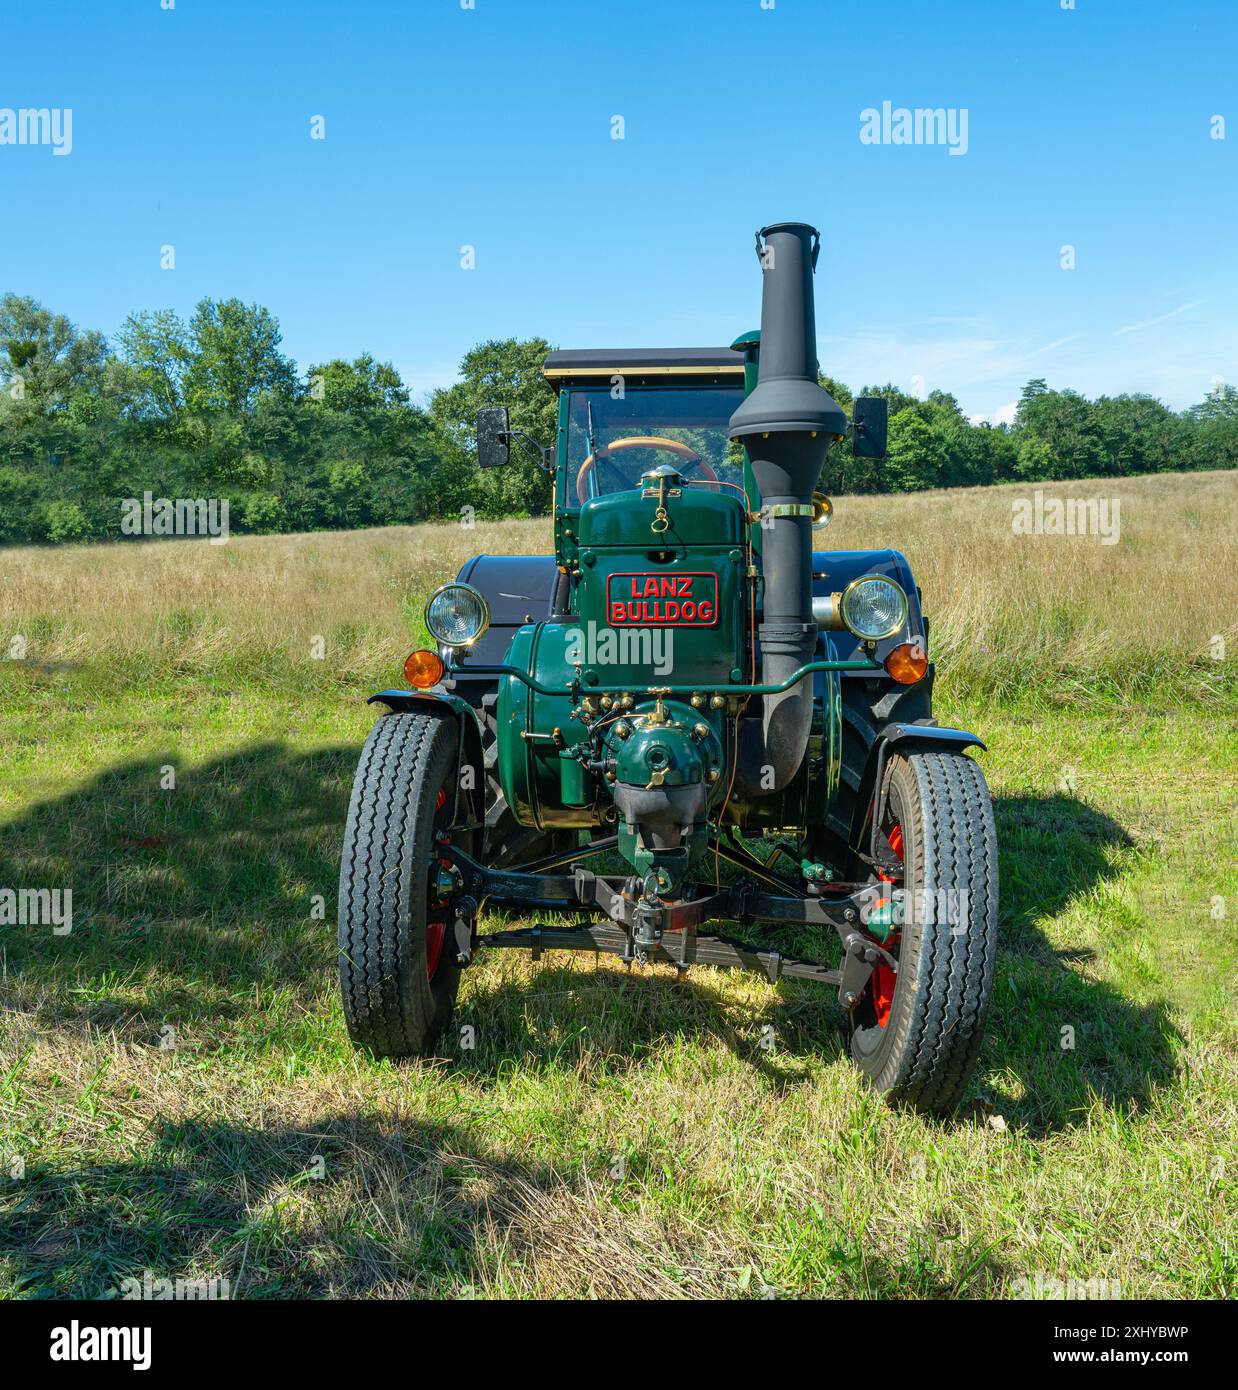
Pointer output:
1058, 431
234, 357
156, 346
985, 454
44, 358
1214, 426
19, 491
1139, 435
364, 419
916, 454
1221, 403
262, 512
363, 387
346, 487
65, 521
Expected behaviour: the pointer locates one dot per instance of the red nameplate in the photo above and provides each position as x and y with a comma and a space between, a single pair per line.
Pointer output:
660, 599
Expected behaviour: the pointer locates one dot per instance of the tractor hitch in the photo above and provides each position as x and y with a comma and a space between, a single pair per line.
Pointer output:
641, 928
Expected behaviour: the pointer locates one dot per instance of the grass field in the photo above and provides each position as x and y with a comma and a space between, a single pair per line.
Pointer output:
178, 1095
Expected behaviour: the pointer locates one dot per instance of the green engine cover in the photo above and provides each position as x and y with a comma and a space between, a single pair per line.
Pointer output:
661, 594
661, 599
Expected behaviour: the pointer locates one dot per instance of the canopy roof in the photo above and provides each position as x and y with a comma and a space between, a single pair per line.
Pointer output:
590, 364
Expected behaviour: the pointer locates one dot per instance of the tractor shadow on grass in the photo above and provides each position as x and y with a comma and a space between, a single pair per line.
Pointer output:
1062, 1034
342, 1206
192, 906
380, 1205
186, 897
575, 1014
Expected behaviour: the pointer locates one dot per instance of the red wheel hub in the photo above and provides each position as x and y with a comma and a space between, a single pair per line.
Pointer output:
436, 934
884, 979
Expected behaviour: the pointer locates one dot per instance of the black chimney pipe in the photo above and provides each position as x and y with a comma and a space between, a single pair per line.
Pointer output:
787, 424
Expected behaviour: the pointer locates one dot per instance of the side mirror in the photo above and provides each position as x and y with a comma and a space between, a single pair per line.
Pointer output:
493, 433
870, 418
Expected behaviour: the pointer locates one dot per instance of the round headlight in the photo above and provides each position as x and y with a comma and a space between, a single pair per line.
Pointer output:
874, 607
457, 615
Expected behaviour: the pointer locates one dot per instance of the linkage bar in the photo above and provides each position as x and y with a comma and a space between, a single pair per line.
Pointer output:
699, 950
502, 669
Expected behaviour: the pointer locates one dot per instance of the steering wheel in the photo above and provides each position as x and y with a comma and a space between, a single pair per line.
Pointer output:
641, 441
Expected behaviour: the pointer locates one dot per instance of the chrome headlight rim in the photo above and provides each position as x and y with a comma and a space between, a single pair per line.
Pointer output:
903, 608
457, 584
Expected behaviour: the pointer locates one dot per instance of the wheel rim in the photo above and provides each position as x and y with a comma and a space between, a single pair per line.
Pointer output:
884, 980
438, 907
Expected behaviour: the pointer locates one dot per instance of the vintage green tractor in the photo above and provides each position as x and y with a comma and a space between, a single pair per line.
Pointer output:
686, 692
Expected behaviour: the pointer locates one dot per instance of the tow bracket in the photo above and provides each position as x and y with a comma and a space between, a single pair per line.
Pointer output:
640, 929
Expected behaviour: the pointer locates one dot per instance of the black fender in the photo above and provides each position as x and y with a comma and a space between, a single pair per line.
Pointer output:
833, 570
518, 589
470, 755
922, 733
871, 701
929, 732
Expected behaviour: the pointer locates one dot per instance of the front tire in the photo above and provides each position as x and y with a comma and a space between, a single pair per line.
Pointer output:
916, 1035
398, 971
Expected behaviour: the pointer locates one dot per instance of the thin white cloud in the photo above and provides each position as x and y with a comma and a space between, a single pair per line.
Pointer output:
1048, 347
938, 361
1161, 318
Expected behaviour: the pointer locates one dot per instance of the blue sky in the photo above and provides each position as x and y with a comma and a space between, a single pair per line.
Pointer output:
492, 127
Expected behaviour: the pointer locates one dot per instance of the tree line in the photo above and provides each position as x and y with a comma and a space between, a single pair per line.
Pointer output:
211, 407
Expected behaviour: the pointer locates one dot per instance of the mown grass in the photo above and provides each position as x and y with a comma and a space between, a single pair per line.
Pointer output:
606, 1134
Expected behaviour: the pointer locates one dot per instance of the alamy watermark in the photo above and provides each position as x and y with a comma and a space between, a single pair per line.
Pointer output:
175, 516
78, 1342
901, 907
151, 1288
37, 907
1039, 515
627, 646
38, 125
922, 125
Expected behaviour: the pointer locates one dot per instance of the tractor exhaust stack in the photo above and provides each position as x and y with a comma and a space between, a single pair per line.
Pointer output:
787, 424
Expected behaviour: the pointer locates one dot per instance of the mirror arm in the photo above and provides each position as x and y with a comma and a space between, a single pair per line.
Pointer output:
544, 453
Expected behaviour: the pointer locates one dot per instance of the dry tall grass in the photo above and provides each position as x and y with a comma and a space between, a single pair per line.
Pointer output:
1115, 618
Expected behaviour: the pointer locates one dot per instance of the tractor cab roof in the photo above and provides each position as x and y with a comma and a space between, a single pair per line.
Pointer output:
655, 366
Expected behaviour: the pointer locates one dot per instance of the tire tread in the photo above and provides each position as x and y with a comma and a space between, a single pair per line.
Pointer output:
390, 811
940, 1026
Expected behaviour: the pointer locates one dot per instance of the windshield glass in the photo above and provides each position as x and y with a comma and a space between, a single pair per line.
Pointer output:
692, 418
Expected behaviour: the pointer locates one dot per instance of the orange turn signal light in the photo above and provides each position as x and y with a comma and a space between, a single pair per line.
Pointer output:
422, 669
907, 663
